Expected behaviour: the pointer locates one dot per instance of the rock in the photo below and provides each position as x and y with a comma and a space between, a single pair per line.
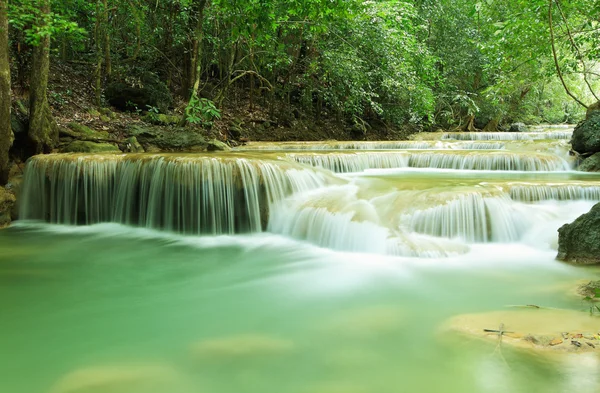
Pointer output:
216, 145
579, 242
590, 164
163, 120
133, 146
241, 346
586, 136
179, 139
531, 328
107, 112
518, 127
589, 289
591, 109
126, 378
7, 201
89, 147
80, 131
147, 92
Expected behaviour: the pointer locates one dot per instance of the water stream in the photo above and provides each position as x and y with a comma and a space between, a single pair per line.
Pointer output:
300, 268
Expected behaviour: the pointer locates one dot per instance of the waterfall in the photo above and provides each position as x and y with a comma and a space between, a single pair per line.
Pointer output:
507, 136
377, 145
473, 160
559, 192
190, 194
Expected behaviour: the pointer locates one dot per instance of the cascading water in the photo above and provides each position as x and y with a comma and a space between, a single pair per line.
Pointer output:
189, 194
472, 160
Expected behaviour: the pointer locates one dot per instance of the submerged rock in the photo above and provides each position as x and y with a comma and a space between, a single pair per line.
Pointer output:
147, 378
533, 328
89, 147
241, 346
579, 242
586, 136
7, 201
590, 164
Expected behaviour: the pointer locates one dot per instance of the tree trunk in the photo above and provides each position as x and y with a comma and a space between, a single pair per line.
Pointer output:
5, 129
43, 131
99, 56
106, 41
491, 126
198, 52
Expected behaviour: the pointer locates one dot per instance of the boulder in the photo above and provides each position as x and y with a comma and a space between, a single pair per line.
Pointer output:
518, 127
591, 109
7, 201
586, 136
590, 164
147, 92
179, 139
89, 147
579, 242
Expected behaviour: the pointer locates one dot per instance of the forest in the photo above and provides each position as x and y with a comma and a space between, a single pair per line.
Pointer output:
363, 67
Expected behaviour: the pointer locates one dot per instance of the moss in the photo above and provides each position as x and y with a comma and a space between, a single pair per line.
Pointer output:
160, 119
7, 201
90, 147
93, 112
108, 113
590, 164
105, 119
81, 130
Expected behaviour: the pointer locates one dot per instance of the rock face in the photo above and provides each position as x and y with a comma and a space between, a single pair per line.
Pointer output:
7, 201
518, 127
590, 164
579, 242
586, 137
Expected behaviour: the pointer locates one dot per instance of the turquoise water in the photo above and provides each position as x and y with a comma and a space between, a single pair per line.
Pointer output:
113, 309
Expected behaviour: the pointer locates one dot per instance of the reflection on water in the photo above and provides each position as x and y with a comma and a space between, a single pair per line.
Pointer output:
113, 309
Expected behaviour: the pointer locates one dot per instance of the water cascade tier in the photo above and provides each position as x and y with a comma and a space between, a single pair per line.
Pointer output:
563, 134
188, 193
375, 145
471, 160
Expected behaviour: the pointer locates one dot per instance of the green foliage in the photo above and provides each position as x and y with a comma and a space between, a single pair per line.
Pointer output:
201, 111
25, 15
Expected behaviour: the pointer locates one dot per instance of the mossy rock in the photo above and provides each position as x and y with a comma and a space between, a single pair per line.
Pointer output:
7, 201
590, 164
81, 131
177, 139
133, 146
107, 112
579, 242
89, 147
586, 136
160, 119
93, 112
105, 119
216, 145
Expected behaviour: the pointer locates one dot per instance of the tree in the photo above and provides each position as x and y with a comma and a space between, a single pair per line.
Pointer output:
5, 94
43, 131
